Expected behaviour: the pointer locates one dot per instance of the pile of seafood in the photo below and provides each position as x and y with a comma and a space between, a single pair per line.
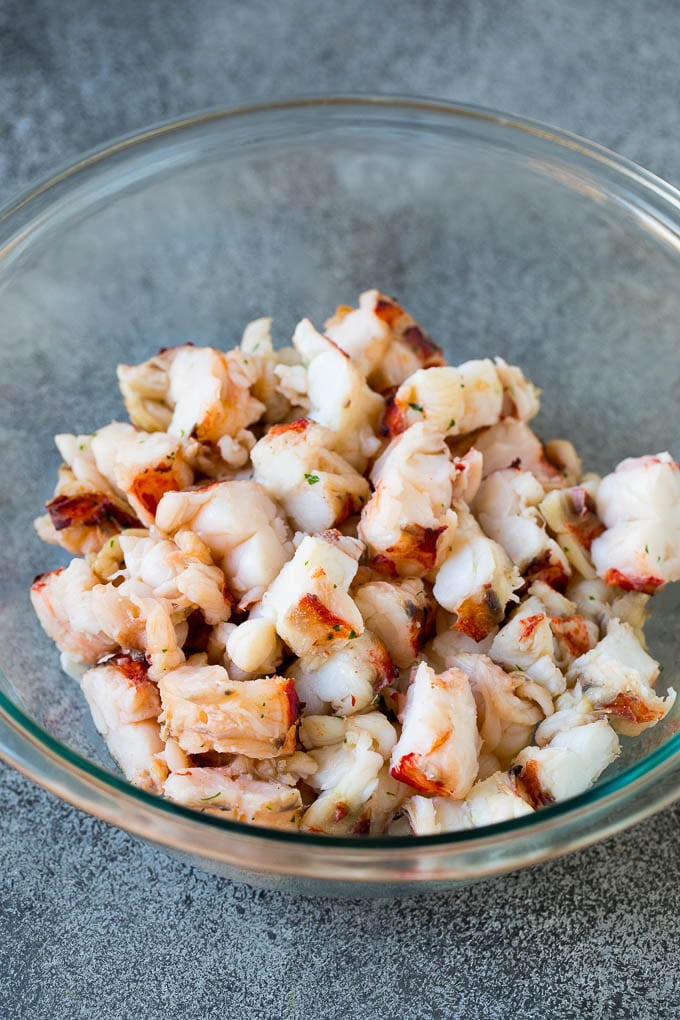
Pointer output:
343, 587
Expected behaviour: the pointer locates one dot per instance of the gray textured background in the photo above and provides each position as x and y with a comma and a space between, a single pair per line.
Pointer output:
92, 923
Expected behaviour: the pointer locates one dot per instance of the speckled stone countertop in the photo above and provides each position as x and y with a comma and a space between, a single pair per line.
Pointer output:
95, 925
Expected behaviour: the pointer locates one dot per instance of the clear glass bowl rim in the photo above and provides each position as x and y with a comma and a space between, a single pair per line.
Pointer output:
646, 786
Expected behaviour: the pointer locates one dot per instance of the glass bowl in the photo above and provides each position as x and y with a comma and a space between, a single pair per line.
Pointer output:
501, 236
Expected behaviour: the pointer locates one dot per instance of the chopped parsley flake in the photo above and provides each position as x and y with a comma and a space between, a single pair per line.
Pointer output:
214, 796
647, 549
452, 423
352, 634
415, 407
112, 543
312, 479
336, 626
163, 650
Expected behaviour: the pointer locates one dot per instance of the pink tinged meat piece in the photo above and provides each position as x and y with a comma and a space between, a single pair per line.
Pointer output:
568, 765
125, 705
408, 522
143, 466
437, 752
299, 467
242, 799
347, 680
476, 581
63, 602
639, 503
206, 711
402, 613
309, 602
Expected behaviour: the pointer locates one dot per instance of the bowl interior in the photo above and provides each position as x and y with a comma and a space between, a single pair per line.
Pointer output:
498, 244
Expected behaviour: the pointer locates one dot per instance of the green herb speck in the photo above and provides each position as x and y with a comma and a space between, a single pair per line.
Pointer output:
352, 634
312, 479
214, 796
415, 407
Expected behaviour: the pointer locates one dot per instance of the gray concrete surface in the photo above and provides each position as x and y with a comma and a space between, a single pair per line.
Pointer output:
92, 923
